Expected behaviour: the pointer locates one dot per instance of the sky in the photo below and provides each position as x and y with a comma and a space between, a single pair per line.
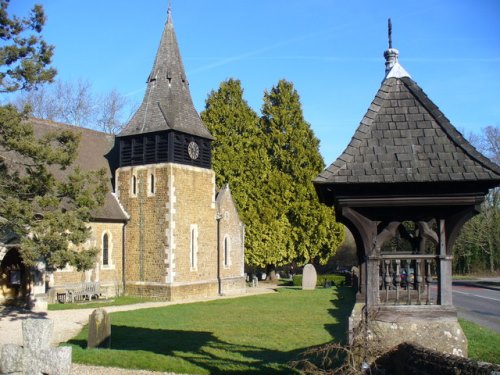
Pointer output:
332, 51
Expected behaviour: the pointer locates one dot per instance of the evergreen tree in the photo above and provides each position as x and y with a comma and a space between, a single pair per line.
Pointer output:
270, 164
240, 159
294, 154
48, 216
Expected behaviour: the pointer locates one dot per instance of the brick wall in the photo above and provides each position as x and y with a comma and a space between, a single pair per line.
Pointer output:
413, 359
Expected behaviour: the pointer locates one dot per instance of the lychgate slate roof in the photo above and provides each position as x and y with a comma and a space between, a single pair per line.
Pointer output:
167, 103
405, 138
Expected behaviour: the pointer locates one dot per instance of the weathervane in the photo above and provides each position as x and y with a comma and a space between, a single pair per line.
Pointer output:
389, 26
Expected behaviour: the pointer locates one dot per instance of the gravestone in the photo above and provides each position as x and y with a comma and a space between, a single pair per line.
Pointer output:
309, 277
99, 329
36, 356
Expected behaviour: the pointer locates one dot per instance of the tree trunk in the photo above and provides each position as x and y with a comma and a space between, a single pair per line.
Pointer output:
271, 272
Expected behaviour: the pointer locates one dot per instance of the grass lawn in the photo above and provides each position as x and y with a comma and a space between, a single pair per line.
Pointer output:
95, 304
484, 344
254, 334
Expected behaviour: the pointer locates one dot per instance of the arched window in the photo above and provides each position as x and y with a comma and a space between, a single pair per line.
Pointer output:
134, 185
194, 247
227, 249
105, 249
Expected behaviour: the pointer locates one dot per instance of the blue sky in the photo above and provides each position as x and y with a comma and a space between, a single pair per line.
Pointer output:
331, 50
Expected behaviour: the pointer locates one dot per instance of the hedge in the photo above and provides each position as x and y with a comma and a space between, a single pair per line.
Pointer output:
334, 279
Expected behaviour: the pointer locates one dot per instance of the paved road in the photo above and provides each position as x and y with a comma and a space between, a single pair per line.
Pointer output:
477, 304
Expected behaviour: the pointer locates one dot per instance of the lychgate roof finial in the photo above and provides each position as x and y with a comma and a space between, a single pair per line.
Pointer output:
389, 26
392, 66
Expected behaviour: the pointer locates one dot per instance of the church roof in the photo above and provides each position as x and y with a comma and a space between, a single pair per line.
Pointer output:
167, 103
405, 138
93, 152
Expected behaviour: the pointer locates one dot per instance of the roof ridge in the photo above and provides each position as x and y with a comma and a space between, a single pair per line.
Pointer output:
71, 126
447, 126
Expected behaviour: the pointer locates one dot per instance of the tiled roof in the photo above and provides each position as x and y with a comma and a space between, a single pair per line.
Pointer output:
167, 103
405, 138
93, 150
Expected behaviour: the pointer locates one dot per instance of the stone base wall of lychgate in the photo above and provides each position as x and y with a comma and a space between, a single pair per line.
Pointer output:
412, 359
433, 327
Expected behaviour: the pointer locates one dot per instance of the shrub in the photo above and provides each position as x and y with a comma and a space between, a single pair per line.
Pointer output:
334, 279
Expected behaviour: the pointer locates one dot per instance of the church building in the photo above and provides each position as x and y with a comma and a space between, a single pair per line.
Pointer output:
165, 230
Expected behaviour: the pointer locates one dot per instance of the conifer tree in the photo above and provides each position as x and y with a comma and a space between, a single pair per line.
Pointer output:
240, 159
294, 155
270, 164
48, 216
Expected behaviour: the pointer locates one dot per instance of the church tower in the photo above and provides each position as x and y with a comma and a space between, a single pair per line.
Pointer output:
165, 183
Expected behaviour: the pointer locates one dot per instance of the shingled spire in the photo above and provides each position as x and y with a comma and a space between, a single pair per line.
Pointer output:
167, 103
166, 127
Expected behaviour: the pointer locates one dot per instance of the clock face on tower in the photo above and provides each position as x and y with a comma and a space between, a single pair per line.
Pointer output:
193, 150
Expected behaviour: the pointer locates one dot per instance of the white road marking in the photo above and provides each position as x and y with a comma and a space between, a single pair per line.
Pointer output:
475, 295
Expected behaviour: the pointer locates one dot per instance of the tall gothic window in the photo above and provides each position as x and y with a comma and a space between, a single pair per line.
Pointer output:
134, 185
152, 183
226, 252
194, 247
105, 249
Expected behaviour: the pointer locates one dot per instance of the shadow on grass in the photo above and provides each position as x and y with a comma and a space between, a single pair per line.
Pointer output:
342, 308
201, 349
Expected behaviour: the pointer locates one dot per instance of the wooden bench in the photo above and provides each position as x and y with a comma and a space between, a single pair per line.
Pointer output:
84, 291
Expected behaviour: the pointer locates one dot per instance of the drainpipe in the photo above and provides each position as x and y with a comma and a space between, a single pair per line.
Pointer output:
218, 217
123, 257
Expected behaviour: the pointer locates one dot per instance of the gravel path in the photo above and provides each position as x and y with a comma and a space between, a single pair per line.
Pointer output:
68, 323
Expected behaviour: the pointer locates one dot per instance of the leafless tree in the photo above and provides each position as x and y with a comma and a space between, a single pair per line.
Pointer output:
76, 103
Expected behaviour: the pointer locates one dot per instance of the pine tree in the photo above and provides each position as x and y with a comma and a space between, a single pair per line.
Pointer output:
48, 216
294, 153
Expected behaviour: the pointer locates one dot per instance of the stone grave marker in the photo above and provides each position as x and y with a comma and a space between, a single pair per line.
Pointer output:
36, 356
309, 277
99, 329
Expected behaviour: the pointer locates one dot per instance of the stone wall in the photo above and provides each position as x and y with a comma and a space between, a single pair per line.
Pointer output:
146, 245
434, 327
171, 238
413, 359
110, 275
231, 244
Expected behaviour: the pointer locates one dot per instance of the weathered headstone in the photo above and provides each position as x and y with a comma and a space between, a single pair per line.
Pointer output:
36, 356
99, 329
309, 277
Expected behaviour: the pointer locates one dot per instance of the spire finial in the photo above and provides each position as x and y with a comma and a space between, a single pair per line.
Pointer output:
169, 12
389, 27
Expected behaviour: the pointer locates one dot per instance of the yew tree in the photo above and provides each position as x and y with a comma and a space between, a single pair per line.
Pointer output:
294, 154
269, 163
240, 159
47, 216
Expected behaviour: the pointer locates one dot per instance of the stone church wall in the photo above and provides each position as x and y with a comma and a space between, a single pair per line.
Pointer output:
146, 241
109, 276
231, 244
169, 224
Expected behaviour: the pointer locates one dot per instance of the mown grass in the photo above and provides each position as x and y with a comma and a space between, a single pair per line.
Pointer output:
483, 343
95, 304
254, 334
